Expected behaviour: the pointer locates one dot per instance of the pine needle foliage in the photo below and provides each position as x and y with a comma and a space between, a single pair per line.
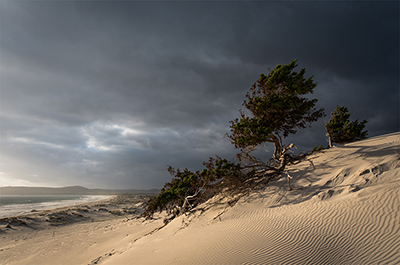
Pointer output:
187, 189
278, 106
341, 130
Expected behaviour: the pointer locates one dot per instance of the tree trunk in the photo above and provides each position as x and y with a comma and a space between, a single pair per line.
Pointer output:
277, 147
279, 152
329, 138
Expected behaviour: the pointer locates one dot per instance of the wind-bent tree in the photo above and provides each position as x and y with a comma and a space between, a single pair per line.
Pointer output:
278, 107
341, 130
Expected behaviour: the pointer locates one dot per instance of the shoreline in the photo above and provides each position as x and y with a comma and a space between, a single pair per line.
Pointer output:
112, 207
343, 211
75, 233
55, 207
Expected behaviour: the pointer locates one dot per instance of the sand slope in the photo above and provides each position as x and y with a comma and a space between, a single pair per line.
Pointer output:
346, 212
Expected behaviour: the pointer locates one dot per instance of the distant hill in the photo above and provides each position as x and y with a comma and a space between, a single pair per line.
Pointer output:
72, 190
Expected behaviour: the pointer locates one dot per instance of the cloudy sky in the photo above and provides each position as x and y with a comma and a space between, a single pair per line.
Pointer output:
107, 94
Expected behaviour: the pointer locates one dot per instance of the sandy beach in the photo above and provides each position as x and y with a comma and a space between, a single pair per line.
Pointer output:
345, 211
70, 234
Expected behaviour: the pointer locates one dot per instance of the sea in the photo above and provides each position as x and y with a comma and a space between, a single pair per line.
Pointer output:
13, 205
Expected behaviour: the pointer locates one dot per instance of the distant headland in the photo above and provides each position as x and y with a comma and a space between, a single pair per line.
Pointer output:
71, 190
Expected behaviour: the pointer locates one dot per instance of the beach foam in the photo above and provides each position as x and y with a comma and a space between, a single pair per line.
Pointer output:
13, 205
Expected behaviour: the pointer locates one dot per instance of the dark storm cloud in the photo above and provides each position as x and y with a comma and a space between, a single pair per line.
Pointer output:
107, 94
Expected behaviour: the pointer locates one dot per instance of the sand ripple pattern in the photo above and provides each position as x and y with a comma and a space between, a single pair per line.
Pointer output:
362, 229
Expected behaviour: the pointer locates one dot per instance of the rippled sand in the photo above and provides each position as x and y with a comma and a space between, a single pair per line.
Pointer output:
345, 211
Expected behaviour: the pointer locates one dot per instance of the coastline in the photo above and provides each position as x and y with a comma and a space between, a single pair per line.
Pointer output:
70, 234
38, 203
341, 210
115, 205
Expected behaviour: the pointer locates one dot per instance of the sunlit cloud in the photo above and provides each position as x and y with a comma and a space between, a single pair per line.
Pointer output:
111, 103
34, 142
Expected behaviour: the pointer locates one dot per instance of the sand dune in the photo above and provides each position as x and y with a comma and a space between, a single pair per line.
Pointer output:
345, 211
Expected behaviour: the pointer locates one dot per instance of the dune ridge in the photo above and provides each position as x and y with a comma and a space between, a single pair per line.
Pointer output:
345, 211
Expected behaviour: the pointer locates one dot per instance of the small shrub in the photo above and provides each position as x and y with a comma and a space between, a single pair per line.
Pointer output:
187, 189
318, 148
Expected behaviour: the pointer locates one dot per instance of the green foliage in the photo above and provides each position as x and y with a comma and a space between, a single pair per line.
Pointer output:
173, 193
277, 106
198, 186
341, 130
318, 148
